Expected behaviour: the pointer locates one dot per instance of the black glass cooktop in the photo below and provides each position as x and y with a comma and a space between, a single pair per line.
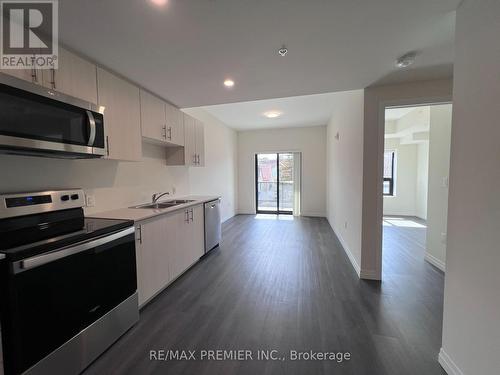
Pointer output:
31, 235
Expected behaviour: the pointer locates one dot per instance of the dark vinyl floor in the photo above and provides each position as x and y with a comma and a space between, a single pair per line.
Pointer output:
287, 285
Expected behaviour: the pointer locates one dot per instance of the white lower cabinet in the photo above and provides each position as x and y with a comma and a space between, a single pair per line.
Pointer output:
166, 246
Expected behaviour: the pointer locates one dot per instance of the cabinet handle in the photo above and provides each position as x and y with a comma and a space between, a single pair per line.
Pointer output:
194, 158
170, 132
53, 75
164, 134
139, 231
187, 216
107, 145
198, 159
34, 76
192, 215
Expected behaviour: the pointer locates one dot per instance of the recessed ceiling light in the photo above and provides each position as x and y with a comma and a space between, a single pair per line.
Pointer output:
159, 3
229, 82
406, 60
272, 114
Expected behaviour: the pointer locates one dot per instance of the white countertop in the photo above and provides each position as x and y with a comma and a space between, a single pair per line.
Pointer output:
139, 214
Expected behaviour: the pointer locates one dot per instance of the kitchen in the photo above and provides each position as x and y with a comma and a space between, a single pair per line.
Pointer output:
192, 187
168, 235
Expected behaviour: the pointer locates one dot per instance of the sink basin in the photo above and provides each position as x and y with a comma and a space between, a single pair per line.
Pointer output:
167, 204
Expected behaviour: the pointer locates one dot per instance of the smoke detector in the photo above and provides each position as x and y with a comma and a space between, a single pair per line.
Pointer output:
283, 51
406, 60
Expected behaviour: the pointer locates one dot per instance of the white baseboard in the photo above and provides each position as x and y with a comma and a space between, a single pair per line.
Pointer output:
362, 274
447, 364
312, 214
369, 275
351, 257
435, 261
245, 212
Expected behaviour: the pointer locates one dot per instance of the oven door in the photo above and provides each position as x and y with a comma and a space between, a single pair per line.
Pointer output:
55, 296
32, 122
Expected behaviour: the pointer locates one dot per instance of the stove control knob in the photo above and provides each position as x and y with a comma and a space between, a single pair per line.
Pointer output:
65, 198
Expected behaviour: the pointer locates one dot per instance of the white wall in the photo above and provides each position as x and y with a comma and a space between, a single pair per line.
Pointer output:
344, 172
122, 184
439, 169
310, 141
114, 184
471, 325
219, 176
404, 200
376, 99
422, 179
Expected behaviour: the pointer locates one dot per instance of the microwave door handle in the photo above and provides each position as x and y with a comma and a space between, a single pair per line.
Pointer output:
71, 250
91, 119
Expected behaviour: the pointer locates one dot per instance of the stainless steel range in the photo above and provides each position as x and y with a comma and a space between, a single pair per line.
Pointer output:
68, 283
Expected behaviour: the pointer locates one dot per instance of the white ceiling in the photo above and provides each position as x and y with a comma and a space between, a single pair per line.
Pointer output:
397, 113
184, 51
410, 125
297, 111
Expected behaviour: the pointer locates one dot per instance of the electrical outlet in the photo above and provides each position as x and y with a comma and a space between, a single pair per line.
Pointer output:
90, 200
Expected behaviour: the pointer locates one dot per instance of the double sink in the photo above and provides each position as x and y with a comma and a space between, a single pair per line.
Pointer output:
167, 204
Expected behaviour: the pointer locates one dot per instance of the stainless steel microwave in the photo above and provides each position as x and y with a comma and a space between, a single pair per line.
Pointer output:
41, 122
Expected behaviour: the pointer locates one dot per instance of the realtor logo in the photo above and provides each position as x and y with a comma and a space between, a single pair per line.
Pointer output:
29, 34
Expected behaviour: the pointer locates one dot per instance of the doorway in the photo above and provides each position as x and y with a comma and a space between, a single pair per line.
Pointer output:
277, 183
415, 186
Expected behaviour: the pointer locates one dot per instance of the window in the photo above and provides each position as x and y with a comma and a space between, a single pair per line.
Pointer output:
389, 157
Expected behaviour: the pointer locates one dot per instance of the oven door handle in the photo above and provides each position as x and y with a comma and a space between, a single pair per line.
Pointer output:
71, 250
92, 126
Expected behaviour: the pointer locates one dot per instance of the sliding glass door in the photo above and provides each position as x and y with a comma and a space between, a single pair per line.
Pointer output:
274, 183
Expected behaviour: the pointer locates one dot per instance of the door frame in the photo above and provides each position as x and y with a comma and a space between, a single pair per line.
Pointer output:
256, 177
383, 105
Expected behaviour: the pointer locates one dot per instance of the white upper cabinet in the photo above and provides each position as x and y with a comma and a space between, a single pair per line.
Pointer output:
199, 136
74, 76
153, 117
161, 122
193, 152
175, 125
122, 116
189, 140
31, 75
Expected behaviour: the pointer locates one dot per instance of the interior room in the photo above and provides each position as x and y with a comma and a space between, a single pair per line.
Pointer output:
241, 187
416, 180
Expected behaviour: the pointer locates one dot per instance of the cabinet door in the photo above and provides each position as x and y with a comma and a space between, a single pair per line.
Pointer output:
140, 268
175, 125
25, 74
189, 140
154, 247
197, 230
31, 75
74, 76
153, 117
122, 116
150, 237
200, 143
180, 260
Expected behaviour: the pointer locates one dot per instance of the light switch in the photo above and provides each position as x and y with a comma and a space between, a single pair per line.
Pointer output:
445, 182
90, 200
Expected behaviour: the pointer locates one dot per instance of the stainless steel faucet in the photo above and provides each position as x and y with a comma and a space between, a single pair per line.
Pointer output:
157, 196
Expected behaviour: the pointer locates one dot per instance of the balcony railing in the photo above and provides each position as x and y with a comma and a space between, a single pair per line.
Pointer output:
267, 199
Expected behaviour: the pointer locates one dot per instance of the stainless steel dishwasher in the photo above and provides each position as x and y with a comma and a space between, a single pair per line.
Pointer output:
212, 225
